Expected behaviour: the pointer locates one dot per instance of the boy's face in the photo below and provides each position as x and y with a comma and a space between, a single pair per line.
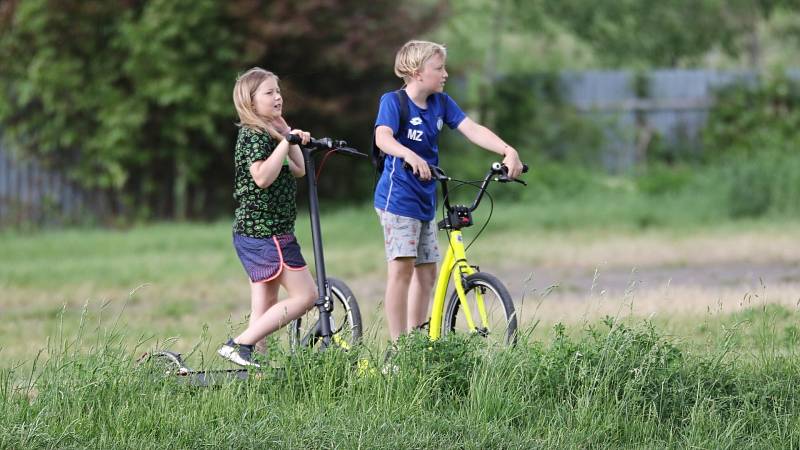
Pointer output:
433, 75
267, 100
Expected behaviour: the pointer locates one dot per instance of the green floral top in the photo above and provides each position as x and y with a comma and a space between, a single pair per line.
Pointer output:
260, 212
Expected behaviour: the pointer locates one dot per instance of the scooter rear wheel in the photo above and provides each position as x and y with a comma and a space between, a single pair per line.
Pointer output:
345, 318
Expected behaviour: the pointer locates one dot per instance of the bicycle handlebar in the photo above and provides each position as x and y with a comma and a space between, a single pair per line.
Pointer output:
497, 170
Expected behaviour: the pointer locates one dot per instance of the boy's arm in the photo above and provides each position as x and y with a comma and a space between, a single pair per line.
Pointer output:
484, 137
384, 139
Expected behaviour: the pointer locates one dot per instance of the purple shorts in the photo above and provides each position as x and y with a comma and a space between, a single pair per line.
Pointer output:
264, 258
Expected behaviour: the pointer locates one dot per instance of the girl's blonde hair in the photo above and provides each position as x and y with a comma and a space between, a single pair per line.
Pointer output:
243, 95
413, 55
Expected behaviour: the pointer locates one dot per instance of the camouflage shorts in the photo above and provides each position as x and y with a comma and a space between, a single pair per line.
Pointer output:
408, 237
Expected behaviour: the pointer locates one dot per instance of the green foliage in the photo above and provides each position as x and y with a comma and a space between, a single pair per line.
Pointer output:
660, 179
752, 135
448, 364
667, 33
133, 99
530, 112
615, 384
127, 99
748, 120
766, 184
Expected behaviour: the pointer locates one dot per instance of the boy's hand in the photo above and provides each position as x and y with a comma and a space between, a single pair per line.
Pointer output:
418, 165
513, 163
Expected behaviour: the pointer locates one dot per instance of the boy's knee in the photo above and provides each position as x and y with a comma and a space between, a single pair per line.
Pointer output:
401, 268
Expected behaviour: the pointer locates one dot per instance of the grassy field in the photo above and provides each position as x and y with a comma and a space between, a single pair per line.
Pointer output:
630, 361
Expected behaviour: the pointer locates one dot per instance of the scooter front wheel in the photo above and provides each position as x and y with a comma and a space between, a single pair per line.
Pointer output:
345, 321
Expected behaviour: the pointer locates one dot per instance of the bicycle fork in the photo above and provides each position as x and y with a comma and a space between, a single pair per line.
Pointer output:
455, 264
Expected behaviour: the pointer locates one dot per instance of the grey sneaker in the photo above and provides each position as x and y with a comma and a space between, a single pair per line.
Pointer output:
238, 353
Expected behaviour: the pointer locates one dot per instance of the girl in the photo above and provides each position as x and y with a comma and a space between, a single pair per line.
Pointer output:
266, 166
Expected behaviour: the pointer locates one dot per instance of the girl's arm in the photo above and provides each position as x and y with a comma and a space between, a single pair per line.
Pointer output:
296, 163
484, 137
265, 171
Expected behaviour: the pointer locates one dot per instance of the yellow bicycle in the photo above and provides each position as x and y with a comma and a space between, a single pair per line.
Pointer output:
479, 302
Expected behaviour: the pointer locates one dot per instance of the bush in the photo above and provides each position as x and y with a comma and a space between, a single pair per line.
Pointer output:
749, 120
543, 122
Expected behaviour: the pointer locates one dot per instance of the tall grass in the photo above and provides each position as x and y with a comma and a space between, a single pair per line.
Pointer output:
726, 382
614, 384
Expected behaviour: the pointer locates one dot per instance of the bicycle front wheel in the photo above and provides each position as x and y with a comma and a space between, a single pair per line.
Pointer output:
345, 323
495, 320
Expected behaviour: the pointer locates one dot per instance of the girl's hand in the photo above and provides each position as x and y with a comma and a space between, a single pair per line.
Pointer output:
418, 165
305, 136
512, 162
280, 125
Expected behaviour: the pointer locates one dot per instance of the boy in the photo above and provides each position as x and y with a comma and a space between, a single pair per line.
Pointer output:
405, 200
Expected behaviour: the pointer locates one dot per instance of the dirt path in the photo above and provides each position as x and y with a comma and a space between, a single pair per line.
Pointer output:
644, 275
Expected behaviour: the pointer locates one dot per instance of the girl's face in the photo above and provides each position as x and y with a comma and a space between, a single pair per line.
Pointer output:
267, 99
433, 75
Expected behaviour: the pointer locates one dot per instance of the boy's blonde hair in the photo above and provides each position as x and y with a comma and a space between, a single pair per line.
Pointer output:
243, 94
413, 55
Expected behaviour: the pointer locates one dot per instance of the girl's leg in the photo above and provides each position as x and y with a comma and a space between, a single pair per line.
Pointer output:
396, 302
419, 294
302, 295
262, 297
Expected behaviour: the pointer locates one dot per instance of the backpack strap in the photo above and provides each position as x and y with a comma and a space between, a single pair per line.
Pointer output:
402, 99
378, 156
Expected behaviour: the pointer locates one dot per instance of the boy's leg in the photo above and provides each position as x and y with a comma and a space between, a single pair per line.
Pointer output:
424, 274
399, 277
302, 295
419, 294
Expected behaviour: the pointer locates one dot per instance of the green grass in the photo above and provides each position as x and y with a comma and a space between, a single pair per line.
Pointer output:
609, 385
80, 306
172, 279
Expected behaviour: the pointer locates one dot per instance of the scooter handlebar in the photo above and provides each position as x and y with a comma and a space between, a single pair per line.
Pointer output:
325, 143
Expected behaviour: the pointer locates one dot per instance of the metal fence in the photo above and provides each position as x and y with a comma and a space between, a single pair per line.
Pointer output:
30, 194
672, 104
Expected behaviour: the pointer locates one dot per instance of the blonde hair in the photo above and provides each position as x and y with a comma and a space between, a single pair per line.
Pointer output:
413, 55
243, 93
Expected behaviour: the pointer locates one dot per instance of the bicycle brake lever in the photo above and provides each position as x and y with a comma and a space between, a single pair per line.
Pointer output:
505, 179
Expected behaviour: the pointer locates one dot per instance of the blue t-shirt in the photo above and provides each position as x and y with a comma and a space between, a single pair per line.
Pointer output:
398, 190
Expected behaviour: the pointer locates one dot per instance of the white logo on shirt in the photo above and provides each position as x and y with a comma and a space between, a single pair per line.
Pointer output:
415, 135
439, 124
415, 121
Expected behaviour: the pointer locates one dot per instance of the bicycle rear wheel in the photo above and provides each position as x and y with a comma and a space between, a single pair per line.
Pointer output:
498, 325
346, 321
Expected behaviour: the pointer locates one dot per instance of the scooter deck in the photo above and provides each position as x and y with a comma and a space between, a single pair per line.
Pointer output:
173, 364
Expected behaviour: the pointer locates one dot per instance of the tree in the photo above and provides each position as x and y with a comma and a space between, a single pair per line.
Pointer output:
133, 97
667, 34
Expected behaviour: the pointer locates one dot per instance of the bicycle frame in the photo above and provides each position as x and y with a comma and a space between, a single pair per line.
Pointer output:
455, 263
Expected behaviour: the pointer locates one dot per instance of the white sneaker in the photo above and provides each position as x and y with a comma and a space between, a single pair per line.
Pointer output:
237, 354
